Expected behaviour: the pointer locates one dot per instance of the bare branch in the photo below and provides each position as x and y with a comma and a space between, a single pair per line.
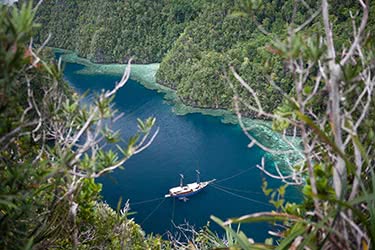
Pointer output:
358, 38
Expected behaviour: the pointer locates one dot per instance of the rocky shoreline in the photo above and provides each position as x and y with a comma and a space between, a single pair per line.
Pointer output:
145, 75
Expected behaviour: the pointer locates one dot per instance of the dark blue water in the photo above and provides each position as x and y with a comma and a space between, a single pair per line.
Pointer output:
184, 144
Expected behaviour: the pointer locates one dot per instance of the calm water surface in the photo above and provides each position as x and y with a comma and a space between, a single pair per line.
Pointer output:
184, 144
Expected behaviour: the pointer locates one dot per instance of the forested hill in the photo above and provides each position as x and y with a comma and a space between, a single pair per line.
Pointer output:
52, 140
195, 41
112, 30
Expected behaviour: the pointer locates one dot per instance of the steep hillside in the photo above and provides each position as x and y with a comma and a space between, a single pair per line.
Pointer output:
197, 64
195, 41
225, 34
113, 31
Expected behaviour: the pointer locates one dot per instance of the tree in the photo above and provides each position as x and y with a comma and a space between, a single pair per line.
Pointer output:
53, 148
332, 105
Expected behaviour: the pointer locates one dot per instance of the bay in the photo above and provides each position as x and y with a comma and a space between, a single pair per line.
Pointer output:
184, 144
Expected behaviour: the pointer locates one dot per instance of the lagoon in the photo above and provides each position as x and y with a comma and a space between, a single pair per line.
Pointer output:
185, 143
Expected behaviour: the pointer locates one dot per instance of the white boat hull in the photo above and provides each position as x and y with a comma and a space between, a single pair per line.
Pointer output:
188, 190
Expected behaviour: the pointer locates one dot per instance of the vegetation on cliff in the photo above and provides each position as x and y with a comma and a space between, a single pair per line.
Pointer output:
192, 39
114, 31
332, 104
195, 41
51, 149
221, 36
51, 153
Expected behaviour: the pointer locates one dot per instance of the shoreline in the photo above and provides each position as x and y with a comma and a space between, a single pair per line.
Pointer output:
144, 74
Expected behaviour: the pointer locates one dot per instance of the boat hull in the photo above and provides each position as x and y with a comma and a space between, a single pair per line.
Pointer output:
188, 190
187, 194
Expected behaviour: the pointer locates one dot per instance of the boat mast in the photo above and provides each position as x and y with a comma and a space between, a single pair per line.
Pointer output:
181, 180
198, 177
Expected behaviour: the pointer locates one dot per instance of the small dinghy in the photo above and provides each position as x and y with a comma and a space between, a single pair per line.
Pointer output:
190, 189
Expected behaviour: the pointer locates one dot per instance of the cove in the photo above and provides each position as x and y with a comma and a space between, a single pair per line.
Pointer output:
184, 144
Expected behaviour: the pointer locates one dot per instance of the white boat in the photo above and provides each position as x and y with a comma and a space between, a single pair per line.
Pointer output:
184, 191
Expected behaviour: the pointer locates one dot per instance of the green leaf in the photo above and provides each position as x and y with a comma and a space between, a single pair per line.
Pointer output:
119, 203
307, 90
29, 244
297, 230
264, 217
269, 241
241, 238
7, 203
133, 140
141, 125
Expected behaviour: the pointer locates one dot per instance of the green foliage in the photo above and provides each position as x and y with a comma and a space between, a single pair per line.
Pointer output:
114, 31
195, 41
276, 196
326, 218
197, 64
48, 194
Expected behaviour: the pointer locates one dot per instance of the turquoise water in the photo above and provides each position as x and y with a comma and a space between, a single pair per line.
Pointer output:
184, 144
